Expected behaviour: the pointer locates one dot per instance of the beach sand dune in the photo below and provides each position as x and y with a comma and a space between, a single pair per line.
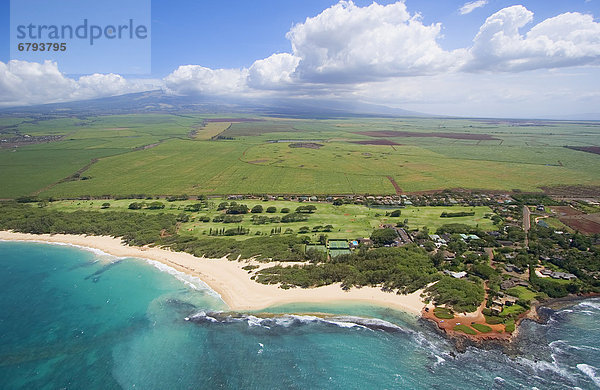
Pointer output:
229, 280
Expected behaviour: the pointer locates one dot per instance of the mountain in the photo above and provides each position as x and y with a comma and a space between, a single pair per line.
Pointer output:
159, 102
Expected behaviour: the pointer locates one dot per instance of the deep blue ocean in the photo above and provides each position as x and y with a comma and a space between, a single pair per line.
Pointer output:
76, 319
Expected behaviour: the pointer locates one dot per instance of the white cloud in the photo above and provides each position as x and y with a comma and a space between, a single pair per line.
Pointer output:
471, 6
374, 54
23, 82
192, 79
347, 43
569, 39
273, 72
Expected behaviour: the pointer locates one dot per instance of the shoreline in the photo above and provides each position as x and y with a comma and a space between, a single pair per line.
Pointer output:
228, 279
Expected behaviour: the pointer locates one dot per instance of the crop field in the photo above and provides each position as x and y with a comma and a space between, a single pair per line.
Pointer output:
211, 129
164, 154
347, 221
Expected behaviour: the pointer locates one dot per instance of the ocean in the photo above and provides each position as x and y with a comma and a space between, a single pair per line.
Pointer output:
78, 319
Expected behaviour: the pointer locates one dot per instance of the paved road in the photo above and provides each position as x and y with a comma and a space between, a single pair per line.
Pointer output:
526, 224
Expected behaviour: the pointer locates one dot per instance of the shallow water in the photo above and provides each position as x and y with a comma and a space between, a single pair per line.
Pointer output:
72, 318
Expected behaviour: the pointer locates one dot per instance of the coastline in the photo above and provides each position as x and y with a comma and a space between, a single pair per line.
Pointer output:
228, 279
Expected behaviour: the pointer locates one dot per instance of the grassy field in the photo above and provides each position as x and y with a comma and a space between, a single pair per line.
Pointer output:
465, 329
482, 328
522, 293
211, 129
154, 154
348, 221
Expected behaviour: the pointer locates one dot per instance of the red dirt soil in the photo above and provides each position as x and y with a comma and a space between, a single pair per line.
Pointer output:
396, 186
587, 149
389, 133
376, 142
577, 220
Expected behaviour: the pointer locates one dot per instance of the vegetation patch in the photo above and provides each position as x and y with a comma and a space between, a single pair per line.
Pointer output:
482, 328
509, 326
443, 313
462, 295
465, 329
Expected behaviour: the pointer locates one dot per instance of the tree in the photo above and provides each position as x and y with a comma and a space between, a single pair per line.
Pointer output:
105, 205
135, 206
306, 209
338, 202
382, 237
257, 209
285, 210
235, 208
222, 206
396, 213
271, 209
156, 206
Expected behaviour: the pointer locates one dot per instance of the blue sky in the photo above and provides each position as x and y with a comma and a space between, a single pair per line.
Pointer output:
220, 38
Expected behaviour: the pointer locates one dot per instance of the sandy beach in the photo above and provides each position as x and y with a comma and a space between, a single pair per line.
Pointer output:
228, 278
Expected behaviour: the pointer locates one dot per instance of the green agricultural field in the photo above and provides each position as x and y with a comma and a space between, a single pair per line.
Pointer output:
348, 221
156, 154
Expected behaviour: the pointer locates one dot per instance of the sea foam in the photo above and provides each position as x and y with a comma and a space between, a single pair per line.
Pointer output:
189, 280
590, 371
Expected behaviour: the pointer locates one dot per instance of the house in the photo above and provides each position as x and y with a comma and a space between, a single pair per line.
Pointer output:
456, 275
448, 255
508, 300
505, 285
546, 272
563, 275
365, 241
496, 309
512, 268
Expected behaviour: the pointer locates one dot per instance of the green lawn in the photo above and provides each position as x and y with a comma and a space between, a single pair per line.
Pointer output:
522, 293
465, 329
443, 313
348, 221
482, 328
513, 310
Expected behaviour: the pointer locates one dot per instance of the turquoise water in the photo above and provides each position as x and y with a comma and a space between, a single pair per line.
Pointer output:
76, 319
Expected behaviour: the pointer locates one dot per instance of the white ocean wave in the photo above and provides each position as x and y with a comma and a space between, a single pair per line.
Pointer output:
590, 304
289, 320
591, 372
189, 280
541, 366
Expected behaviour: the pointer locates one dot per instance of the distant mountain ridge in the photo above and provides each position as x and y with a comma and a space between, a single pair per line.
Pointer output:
159, 102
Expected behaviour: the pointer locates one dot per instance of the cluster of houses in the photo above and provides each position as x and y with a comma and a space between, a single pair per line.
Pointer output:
435, 199
443, 239
547, 273
500, 301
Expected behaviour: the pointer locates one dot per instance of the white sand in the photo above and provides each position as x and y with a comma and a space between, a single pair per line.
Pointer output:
228, 278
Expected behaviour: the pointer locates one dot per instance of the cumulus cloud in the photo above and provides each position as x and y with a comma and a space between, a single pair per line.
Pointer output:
349, 51
192, 79
23, 82
273, 72
347, 43
471, 6
568, 39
